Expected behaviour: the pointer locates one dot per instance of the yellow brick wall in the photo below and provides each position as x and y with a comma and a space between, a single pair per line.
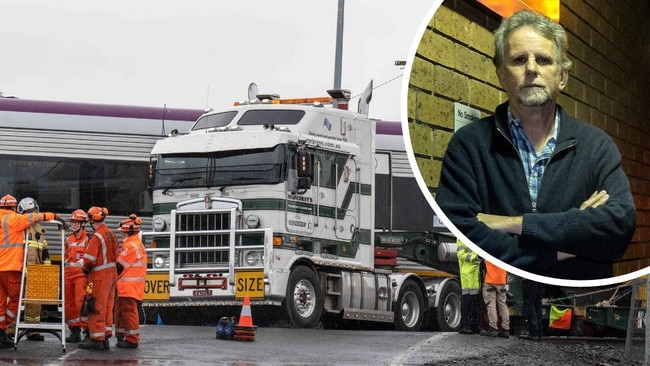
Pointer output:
608, 43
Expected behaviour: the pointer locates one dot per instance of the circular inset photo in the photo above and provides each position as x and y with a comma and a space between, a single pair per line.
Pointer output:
528, 134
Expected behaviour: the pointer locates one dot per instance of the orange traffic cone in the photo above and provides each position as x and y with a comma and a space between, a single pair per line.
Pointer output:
244, 329
246, 318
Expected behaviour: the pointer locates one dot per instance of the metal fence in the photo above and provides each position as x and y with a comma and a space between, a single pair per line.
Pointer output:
636, 346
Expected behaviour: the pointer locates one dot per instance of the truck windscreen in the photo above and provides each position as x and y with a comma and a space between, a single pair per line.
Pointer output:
217, 169
214, 120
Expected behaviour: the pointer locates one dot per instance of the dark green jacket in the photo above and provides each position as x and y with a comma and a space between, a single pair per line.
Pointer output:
482, 172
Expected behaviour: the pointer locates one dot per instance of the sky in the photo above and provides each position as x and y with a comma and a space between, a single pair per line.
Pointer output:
204, 53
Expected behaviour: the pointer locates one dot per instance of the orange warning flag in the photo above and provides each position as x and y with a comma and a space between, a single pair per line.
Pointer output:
560, 319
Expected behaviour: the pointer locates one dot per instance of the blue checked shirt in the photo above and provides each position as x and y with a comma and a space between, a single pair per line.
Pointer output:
533, 163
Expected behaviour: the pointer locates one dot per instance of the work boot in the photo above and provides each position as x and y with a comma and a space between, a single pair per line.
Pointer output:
530, 337
92, 344
11, 330
490, 332
5, 342
75, 335
504, 333
126, 344
86, 335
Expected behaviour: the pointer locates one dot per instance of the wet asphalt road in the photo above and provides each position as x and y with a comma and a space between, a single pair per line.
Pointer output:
198, 345
163, 345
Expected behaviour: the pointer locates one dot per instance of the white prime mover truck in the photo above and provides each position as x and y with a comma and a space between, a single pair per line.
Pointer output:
302, 205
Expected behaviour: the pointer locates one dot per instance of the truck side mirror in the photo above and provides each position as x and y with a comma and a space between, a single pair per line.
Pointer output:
151, 175
302, 164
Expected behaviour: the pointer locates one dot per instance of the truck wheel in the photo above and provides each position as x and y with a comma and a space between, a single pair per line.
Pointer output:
448, 310
409, 310
304, 299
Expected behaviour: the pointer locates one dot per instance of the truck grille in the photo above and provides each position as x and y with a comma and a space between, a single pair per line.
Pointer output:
208, 237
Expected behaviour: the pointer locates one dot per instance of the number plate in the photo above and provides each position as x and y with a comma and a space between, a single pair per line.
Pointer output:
249, 284
200, 293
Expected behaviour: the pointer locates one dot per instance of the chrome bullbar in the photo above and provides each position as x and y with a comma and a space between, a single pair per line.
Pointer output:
207, 241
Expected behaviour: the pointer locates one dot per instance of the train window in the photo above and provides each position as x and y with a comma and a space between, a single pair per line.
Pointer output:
65, 184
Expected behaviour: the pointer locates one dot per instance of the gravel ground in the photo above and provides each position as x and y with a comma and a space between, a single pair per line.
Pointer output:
474, 350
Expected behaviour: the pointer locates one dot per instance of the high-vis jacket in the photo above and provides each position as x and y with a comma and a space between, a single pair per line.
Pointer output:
74, 249
468, 262
101, 251
37, 252
133, 258
12, 236
494, 275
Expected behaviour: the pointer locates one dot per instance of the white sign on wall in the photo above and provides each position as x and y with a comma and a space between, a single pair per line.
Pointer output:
437, 223
464, 115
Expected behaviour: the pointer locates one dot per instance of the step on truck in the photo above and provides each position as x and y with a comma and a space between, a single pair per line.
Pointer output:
299, 204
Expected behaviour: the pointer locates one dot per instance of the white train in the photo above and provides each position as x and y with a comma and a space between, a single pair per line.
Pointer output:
77, 155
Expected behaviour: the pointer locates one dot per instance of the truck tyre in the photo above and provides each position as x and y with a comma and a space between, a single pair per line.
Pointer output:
448, 310
409, 310
304, 299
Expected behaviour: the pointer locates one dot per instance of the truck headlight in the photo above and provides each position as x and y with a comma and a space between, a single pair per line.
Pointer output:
159, 224
161, 262
252, 221
252, 258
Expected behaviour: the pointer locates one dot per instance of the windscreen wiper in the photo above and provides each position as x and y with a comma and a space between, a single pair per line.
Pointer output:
177, 181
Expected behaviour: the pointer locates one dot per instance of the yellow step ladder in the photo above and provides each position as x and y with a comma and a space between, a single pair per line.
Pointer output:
41, 284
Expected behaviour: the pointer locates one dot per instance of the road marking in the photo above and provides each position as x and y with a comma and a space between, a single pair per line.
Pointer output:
418, 351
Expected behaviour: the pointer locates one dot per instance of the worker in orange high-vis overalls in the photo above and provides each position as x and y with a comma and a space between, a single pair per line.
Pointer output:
12, 246
132, 273
99, 264
74, 249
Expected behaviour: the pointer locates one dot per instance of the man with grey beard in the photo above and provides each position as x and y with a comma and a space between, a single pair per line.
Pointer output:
530, 185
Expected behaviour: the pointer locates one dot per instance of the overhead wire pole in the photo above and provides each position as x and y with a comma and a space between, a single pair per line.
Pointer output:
338, 57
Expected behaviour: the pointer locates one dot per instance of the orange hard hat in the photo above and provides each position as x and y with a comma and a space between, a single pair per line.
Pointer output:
78, 215
132, 224
97, 213
8, 201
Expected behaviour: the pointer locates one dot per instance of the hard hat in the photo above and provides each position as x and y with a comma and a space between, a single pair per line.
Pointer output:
27, 204
97, 213
78, 215
8, 201
132, 224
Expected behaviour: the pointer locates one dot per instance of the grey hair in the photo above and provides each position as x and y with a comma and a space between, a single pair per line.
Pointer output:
542, 24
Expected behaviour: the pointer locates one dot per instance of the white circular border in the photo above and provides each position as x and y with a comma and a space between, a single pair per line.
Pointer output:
443, 217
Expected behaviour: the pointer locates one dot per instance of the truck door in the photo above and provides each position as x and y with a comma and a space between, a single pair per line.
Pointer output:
300, 212
301, 203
